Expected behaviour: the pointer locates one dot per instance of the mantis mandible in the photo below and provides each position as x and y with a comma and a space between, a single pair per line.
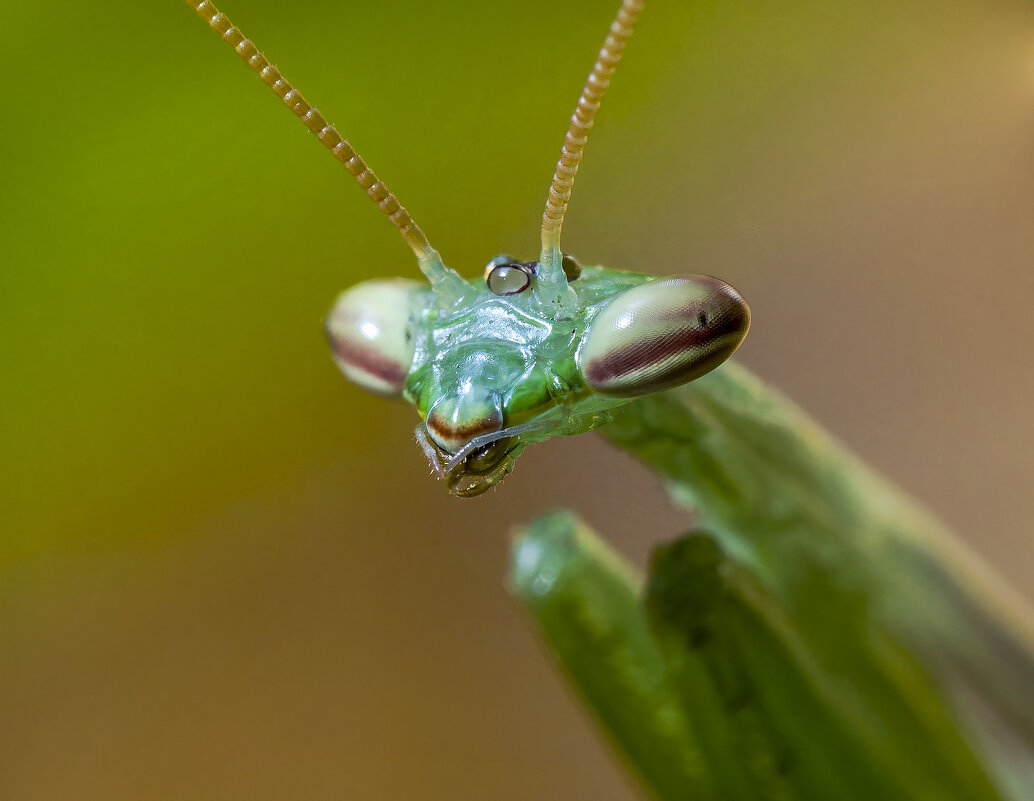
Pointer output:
823, 638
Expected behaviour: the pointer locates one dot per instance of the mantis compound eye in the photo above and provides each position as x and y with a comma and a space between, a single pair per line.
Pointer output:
661, 334
370, 336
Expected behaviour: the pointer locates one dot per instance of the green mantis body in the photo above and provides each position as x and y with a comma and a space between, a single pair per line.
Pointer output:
822, 640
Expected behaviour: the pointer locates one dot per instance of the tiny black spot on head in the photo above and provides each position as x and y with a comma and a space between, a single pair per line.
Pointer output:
572, 267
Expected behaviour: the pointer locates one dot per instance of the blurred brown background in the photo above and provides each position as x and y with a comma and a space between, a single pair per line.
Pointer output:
224, 572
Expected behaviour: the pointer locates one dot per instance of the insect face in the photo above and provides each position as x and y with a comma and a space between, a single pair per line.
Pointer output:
493, 373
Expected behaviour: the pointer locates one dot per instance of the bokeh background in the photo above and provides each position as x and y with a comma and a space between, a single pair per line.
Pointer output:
225, 573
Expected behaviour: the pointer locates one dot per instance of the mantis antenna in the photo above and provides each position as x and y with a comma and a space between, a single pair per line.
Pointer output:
447, 283
550, 269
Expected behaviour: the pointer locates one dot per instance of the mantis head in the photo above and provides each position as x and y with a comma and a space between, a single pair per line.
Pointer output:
494, 371
534, 349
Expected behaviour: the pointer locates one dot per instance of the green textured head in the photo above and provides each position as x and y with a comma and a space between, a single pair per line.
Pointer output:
496, 369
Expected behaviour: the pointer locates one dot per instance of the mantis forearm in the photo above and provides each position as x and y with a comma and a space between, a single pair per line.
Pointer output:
836, 547
585, 602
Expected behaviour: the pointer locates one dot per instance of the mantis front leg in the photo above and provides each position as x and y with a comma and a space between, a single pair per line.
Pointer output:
829, 641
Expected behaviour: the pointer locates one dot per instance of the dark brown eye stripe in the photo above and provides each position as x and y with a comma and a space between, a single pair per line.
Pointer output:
355, 355
667, 355
462, 432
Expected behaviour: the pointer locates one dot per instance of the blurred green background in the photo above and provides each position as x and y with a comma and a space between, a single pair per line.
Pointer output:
225, 573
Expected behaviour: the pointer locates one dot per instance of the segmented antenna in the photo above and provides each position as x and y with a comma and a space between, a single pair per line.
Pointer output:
578, 133
442, 278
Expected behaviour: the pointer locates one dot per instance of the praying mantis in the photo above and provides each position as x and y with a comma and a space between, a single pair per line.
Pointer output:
820, 637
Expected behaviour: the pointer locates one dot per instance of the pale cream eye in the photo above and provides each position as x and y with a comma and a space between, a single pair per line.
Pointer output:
370, 337
508, 279
662, 333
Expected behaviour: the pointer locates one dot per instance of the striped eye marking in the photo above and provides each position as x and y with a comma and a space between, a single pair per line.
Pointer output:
368, 330
661, 334
455, 420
